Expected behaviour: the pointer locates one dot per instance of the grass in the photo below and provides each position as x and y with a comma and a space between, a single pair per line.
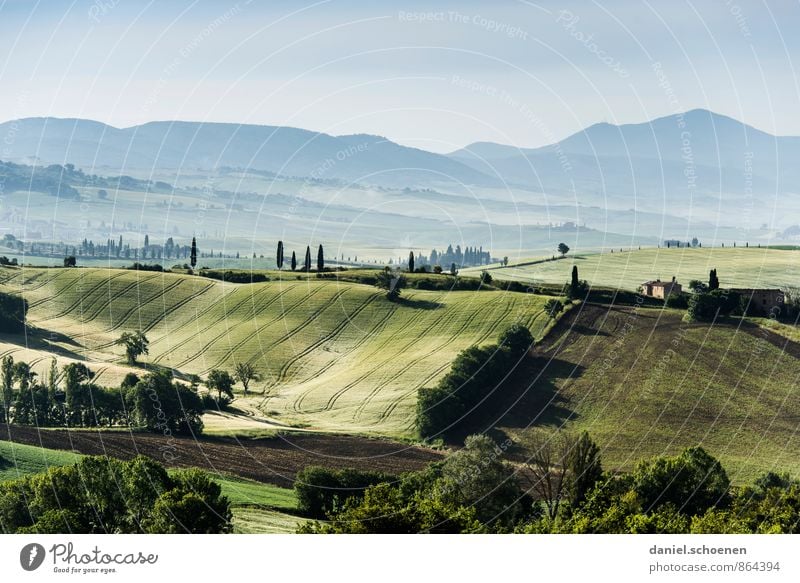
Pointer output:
261, 521
334, 356
248, 493
646, 383
20, 460
737, 267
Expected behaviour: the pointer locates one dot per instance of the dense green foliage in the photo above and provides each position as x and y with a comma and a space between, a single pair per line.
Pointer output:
322, 491
475, 490
13, 309
234, 276
106, 495
136, 344
477, 374
707, 306
392, 283
69, 398
471, 491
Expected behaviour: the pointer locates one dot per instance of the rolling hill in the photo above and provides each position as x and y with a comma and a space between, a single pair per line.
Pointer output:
335, 356
737, 267
646, 383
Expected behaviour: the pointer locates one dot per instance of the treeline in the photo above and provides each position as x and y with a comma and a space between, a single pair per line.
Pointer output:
561, 487
68, 398
469, 256
477, 374
13, 309
102, 495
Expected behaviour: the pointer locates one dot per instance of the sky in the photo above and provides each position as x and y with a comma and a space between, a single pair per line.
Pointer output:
433, 75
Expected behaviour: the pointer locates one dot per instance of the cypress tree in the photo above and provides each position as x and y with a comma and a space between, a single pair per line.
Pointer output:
320, 259
307, 262
294, 261
411, 262
279, 257
713, 280
193, 255
575, 282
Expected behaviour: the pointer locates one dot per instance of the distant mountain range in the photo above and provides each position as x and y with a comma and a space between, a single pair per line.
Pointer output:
690, 156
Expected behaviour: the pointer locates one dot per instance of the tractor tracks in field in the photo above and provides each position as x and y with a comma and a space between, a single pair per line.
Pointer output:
348, 319
394, 403
298, 402
332, 300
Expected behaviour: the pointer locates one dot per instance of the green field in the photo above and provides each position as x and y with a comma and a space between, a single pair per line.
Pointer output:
739, 267
334, 356
646, 383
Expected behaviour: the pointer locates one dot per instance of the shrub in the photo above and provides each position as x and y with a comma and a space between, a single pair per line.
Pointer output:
677, 301
322, 492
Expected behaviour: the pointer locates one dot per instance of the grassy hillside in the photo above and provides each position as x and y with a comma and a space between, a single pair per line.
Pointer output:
334, 356
645, 383
739, 267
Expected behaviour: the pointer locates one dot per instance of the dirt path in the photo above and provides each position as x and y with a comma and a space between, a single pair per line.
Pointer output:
275, 460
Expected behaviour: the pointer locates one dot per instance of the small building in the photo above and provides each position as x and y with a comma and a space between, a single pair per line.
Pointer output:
762, 301
661, 289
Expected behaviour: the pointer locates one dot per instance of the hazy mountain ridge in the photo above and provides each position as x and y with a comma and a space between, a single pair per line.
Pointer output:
282, 150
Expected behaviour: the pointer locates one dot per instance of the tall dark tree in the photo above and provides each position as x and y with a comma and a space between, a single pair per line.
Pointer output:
193, 254
294, 261
575, 282
320, 259
713, 280
411, 262
279, 257
307, 262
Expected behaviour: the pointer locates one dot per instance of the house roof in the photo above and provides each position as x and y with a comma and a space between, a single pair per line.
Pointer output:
660, 283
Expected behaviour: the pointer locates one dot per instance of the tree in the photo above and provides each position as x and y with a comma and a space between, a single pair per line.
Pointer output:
713, 280
693, 481
102, 194
453, 269
135, 344
222, 382
563, 248
194, 505
162, 405
493, 491
553, 307
548, 467
103, 494
279, 257
70, 261
13, 310
244, 373
307, 261
294, 261
320, 259
391, 282
584, 466
193, 254
411, 262
577, 287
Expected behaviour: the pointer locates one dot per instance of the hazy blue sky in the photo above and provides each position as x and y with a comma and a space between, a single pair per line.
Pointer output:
437, 75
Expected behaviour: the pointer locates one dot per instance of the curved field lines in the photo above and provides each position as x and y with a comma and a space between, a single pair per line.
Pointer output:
338, 356
290, 333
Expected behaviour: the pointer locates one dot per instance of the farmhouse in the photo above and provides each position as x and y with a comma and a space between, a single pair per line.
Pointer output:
762, 301
661, 289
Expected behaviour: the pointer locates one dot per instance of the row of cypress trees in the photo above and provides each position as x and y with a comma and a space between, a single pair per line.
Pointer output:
279, 259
